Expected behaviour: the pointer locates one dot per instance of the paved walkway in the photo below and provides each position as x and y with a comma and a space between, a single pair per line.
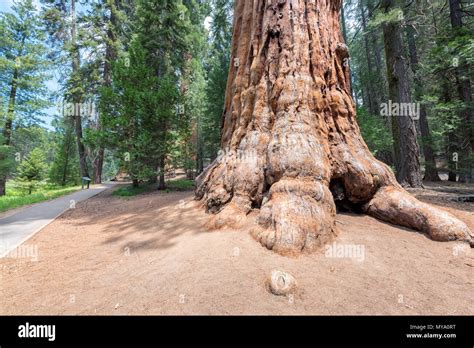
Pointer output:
17, 228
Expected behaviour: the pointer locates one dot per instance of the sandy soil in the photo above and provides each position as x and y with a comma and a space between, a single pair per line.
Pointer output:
151, 255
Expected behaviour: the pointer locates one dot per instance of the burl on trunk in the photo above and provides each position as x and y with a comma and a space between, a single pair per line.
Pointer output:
291, 146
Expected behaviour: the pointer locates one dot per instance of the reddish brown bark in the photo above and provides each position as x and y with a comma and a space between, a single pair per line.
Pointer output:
290, 133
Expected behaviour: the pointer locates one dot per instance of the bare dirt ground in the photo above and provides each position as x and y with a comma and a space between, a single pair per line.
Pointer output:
152, 255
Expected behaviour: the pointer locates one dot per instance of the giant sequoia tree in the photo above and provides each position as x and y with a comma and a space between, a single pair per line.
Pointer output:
291, 146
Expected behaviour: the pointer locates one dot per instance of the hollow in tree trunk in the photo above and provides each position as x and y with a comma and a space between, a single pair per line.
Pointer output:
291, 146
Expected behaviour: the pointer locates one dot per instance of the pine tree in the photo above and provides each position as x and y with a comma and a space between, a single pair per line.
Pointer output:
23, 70
163, 29
65, 165
62, 23
32, 170
221, 34
127, 100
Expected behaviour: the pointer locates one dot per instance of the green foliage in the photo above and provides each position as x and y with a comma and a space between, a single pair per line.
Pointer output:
393, 16
374, 132
180, 185
124, 106
32, 170
219, 60
144, 114
172, 185
16, 195
64, 168
7, 162
23, 64
130, 191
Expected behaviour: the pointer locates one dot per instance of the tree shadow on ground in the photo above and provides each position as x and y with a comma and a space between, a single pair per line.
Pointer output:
151, 221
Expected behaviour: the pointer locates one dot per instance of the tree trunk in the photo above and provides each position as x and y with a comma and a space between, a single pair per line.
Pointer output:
406, 149
98, 165
3, 185
431, 172
66, 164
77, 99
450, 143
110, 56
465, 93
8, 127
162, 183
290, 133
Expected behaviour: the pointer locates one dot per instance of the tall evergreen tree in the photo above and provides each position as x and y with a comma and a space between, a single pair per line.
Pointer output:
62, 20
219, 64
23, 70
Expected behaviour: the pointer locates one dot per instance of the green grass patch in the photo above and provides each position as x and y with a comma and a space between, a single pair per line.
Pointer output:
180, 185
171, 186
130, 191
16, 198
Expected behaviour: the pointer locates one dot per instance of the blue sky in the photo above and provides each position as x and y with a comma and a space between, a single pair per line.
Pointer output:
6, 4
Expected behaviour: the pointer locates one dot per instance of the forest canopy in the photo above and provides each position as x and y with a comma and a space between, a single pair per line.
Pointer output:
137, 88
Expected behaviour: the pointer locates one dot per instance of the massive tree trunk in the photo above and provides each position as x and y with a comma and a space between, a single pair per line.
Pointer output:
406, 149
290, 139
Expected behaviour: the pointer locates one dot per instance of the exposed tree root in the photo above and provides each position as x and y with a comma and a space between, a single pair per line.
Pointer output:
397, 206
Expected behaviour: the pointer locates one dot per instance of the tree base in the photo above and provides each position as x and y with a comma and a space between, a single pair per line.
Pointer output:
298, 215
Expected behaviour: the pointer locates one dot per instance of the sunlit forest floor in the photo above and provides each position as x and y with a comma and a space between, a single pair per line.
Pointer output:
151, 254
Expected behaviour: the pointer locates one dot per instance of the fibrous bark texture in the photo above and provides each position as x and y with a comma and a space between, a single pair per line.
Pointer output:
291, 146
405, 143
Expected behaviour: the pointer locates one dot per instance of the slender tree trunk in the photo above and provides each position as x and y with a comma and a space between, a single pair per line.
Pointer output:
66, 163
290, 134
466, 170
110, 56
450, 143
199, 158
162, 182
406, 149
7, 131
77, 99
98, 165
431, 172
